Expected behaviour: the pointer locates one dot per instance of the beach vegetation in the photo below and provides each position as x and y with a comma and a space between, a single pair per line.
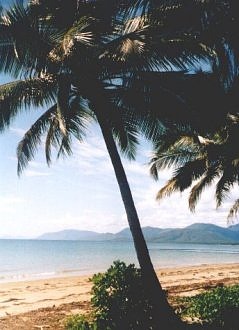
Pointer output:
218, 307
80, 322
119, 298
119, 301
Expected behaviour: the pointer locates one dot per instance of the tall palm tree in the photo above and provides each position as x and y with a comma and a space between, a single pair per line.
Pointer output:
85, 68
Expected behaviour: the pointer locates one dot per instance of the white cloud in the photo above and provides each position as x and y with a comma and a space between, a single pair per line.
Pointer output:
31, 173
87, 220
9, 202
36, 164
19, 132
88, 175
133, 168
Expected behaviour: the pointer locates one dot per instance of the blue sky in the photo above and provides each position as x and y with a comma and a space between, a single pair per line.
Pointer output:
81, 191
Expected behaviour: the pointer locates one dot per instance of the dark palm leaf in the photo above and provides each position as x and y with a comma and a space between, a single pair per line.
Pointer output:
234, 210
23, 94
183, 177
126, 136
25, 42
228, 178
49, 124
210, 175
33, 138
75, 122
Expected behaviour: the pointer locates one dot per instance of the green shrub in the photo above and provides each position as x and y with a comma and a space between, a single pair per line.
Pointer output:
119, 302
83, 322
79, 322
220, 306
119, 299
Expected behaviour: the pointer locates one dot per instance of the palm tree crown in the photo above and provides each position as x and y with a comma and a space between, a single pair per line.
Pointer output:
200, 162
67, 66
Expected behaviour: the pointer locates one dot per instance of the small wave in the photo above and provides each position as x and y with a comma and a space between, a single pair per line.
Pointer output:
26, 276
67, 271
44, 274
196, 250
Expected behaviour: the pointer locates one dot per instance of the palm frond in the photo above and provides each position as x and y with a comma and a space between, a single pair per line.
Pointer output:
180, 53
171, 158
26, 55
78, 35
76, 120
177, 140
168, 189
225, 184
174, 149
127, 139
233, 210
63, 97
23, 94
140, 45
53, 137
126, 41
210, 175
225, 65
33, 138
183, 178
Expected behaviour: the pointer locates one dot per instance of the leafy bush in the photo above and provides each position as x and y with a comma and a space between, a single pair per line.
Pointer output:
119, 298
83, 322
220, 306
79, 322
119, 301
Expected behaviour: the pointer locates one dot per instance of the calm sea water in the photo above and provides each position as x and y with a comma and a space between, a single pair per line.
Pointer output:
33, 259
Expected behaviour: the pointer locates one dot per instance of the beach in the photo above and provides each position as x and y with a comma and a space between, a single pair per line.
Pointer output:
46, 303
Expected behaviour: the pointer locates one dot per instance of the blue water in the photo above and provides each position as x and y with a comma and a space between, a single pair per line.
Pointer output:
33, 259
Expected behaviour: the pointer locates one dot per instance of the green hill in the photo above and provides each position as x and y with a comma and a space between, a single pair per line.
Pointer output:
196, 233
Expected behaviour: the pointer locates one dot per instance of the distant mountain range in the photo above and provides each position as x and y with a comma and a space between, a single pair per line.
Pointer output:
196, 233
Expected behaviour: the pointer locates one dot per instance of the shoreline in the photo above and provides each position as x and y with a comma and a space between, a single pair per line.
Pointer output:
24, 296
81, 274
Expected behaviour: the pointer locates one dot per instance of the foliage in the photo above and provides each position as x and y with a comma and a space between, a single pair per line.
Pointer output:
80, 322
93, 59
119, 298
199, 162
85, 322
219, 306
119, 301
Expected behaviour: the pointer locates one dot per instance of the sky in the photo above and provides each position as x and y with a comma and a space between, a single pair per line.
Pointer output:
80, 192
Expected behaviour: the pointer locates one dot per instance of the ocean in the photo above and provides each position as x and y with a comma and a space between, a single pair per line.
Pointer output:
36, 259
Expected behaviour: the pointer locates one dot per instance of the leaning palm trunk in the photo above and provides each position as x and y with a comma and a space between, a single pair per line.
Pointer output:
162, 313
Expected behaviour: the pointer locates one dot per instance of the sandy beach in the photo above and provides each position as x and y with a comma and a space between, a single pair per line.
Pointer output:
45, 304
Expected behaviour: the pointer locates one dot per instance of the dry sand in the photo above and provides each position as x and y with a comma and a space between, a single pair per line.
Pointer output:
44, 304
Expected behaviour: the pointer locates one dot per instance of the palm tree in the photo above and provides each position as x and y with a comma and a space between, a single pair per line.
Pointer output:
214, 23
88, 68
215, 156
199, 162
